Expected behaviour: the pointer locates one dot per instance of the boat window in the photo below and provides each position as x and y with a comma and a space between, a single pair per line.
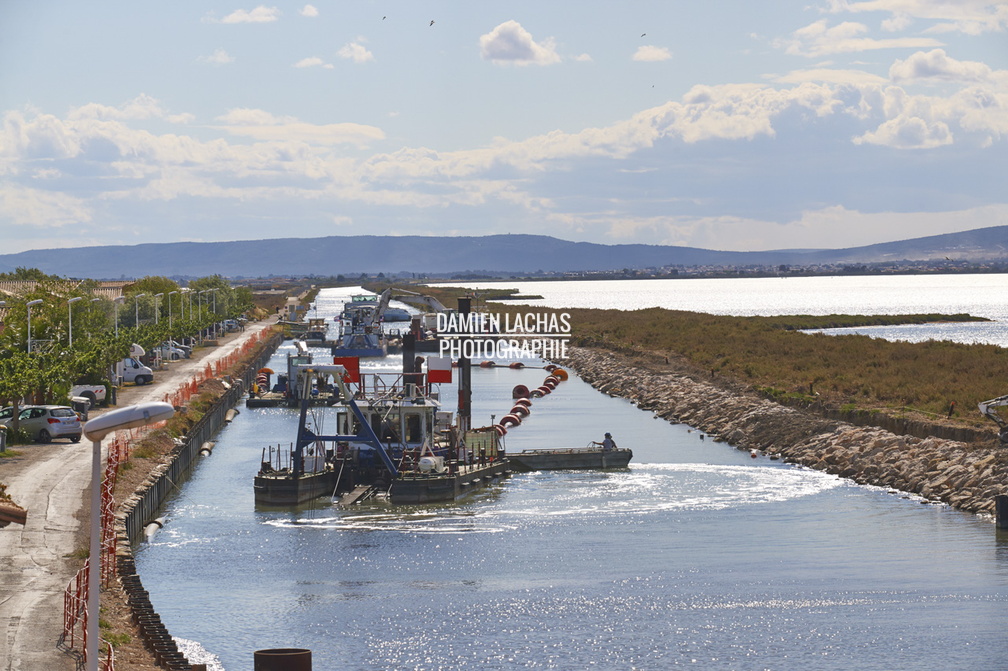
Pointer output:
414, 433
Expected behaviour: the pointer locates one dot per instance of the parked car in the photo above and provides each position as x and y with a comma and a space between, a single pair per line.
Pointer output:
94, 393
6, 415
45, 422
186, 349
231, 324
168, 352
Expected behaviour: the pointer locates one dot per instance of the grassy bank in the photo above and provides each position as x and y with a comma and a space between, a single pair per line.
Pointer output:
772, 355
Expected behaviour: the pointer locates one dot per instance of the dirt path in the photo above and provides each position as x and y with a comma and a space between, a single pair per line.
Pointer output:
52, 482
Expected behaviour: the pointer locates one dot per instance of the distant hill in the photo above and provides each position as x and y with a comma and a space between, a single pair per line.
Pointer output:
352, 255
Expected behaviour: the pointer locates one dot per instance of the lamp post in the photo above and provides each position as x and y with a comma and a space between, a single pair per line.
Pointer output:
157, 307
115, 307
70, 302
29, 305
96, 430
170, 294
136, 309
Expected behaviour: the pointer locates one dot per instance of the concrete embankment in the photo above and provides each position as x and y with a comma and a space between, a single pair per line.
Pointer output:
964, 475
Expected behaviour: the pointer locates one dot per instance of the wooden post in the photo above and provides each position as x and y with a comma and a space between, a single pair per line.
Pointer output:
1001, 511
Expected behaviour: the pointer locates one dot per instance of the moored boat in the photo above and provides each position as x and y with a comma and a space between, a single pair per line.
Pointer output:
564, 458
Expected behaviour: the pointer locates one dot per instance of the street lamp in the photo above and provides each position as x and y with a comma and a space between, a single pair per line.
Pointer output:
70, 302
157, 308
96, 430
115, 307
136, 309
170, 294
29, 305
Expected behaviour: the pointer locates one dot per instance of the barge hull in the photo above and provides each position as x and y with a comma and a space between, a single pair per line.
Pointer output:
569, 459
440, 487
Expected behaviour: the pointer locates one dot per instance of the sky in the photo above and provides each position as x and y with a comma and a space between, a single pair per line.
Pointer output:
722, 124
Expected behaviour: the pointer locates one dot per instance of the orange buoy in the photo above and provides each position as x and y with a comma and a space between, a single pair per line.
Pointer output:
559, 373
523, 401
501, 431
520, 410
543, 390
550, 367
487, 364
517, 365
520, 391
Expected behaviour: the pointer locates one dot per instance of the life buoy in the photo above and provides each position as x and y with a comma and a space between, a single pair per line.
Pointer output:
560, 374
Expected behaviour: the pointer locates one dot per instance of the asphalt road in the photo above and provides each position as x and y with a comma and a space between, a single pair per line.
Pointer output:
52, 482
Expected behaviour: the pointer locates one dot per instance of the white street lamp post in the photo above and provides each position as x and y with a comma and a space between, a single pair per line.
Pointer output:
157, 307
136, 309
29, 305
70, 302
170, 294
115, 307
96, 430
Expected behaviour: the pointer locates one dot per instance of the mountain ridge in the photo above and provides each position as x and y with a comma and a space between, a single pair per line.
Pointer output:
505, 253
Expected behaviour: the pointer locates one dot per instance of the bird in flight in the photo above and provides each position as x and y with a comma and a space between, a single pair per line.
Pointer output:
643, 34
431, 22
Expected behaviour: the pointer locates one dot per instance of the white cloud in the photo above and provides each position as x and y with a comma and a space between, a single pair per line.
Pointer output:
818, 39
311, 62
583, 58
40, 208
971, 17
510, 43
309, 11
263, 126
935, 65
651, 53
356, 52
832, 76
260, 14
218, 57
908, 132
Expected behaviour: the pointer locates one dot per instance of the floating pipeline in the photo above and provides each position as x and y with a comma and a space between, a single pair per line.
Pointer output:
963, 475
522, 396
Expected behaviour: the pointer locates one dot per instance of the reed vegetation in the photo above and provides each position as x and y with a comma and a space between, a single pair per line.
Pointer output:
852, 371
775, 356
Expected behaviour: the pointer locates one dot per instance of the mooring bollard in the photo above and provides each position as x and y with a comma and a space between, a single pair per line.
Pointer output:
282, 659
1001, 511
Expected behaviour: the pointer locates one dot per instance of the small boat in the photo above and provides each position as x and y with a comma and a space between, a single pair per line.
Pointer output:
564, 458
360, 327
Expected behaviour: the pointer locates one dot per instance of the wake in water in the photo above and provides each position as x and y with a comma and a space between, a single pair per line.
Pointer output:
640, 490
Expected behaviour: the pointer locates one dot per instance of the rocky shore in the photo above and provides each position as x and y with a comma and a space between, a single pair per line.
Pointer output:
964, 475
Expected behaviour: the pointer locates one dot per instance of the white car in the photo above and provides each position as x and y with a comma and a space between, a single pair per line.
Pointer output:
45, 422
94, 393
169, 352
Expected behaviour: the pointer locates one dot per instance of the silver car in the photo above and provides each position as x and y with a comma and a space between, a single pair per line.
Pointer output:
45, 422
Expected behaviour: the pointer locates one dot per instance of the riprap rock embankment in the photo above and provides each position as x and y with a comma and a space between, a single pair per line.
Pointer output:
964, 475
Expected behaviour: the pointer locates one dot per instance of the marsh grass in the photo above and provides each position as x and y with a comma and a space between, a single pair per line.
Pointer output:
773, 355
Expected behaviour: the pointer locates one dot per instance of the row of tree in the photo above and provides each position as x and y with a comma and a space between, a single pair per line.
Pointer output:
76, 333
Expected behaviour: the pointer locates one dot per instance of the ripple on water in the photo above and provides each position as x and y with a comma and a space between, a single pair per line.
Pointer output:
642, 489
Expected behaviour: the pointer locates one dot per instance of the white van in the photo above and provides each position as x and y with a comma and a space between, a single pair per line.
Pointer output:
131, 370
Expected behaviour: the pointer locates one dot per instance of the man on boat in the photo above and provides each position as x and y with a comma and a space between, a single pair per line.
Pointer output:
607, 444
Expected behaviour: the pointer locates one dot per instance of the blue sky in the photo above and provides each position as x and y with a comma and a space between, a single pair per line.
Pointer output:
731, 125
